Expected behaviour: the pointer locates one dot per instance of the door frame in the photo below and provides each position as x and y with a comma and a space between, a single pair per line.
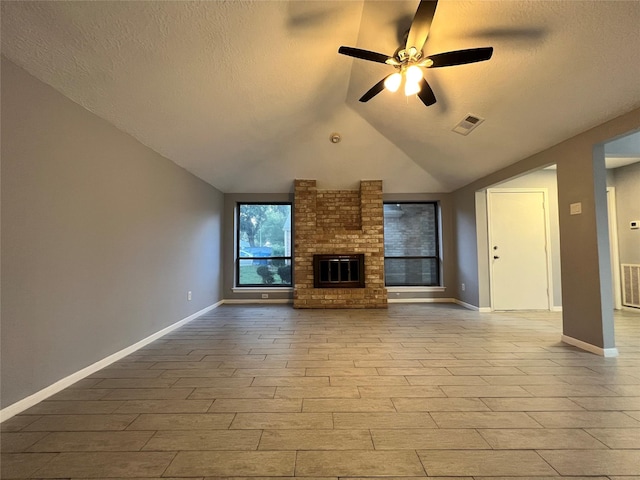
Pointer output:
547, 228
613, 247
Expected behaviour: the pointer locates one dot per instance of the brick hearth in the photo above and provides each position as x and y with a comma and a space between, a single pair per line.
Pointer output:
339, 222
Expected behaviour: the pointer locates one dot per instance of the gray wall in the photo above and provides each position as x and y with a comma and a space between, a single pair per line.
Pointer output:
101, 238
587, 307
465, 237
584, 243
626, 146
626, 181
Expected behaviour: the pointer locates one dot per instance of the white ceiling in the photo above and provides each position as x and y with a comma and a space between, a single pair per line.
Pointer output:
245, 94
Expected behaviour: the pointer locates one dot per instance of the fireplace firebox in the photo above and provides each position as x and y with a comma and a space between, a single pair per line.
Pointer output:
338, 271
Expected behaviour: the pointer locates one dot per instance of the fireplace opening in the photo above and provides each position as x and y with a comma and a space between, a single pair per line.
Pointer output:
338, 271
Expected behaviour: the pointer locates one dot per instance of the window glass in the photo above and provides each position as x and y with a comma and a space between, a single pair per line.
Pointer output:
263, 253
411, 244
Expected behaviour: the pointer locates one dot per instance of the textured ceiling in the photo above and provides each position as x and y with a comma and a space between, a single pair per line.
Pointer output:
245, 94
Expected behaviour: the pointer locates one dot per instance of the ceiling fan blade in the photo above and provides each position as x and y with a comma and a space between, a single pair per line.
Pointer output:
375, 90
421, 24
426, 94
460, 57
363, 54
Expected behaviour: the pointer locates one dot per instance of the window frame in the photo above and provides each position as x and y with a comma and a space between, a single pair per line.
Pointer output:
436, 257
237, 250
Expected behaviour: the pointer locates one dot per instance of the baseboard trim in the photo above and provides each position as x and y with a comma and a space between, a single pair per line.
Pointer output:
28, 402
420, 300
556, 308
603, 352
630, 309
468, 306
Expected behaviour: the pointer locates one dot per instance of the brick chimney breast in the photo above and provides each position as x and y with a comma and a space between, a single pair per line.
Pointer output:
338, 222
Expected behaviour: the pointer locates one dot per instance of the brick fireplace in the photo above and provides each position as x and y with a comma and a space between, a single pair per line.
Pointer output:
339, 223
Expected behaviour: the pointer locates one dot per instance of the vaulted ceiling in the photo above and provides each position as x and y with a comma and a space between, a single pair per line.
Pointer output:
245, 94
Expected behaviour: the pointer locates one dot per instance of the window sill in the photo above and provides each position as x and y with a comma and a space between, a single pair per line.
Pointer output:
261, 289
415, 289
290, 289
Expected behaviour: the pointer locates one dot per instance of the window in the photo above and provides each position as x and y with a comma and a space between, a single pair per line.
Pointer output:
263, 249
411, 244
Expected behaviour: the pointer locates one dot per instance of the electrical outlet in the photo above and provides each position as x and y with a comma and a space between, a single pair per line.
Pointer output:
463, 287
189, 295
265, 295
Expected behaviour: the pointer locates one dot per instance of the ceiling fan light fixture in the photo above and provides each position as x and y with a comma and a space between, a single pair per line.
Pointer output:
414, 74
393, 81
411, 88
410, 59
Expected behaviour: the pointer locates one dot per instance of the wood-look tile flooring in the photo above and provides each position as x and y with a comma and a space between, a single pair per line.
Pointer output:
412, 391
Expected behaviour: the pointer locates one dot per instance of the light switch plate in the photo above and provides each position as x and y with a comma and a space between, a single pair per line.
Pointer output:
575, 208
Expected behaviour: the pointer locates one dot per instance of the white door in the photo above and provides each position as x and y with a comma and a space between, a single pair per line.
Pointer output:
518, 238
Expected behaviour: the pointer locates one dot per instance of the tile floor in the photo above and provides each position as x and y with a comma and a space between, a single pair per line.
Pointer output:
408, 392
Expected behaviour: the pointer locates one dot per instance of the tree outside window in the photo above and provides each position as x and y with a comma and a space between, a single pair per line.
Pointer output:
263, 253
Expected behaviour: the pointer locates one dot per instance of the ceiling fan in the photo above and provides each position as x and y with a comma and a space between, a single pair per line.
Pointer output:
410, 60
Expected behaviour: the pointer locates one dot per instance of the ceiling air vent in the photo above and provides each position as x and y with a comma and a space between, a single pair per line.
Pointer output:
467, 124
